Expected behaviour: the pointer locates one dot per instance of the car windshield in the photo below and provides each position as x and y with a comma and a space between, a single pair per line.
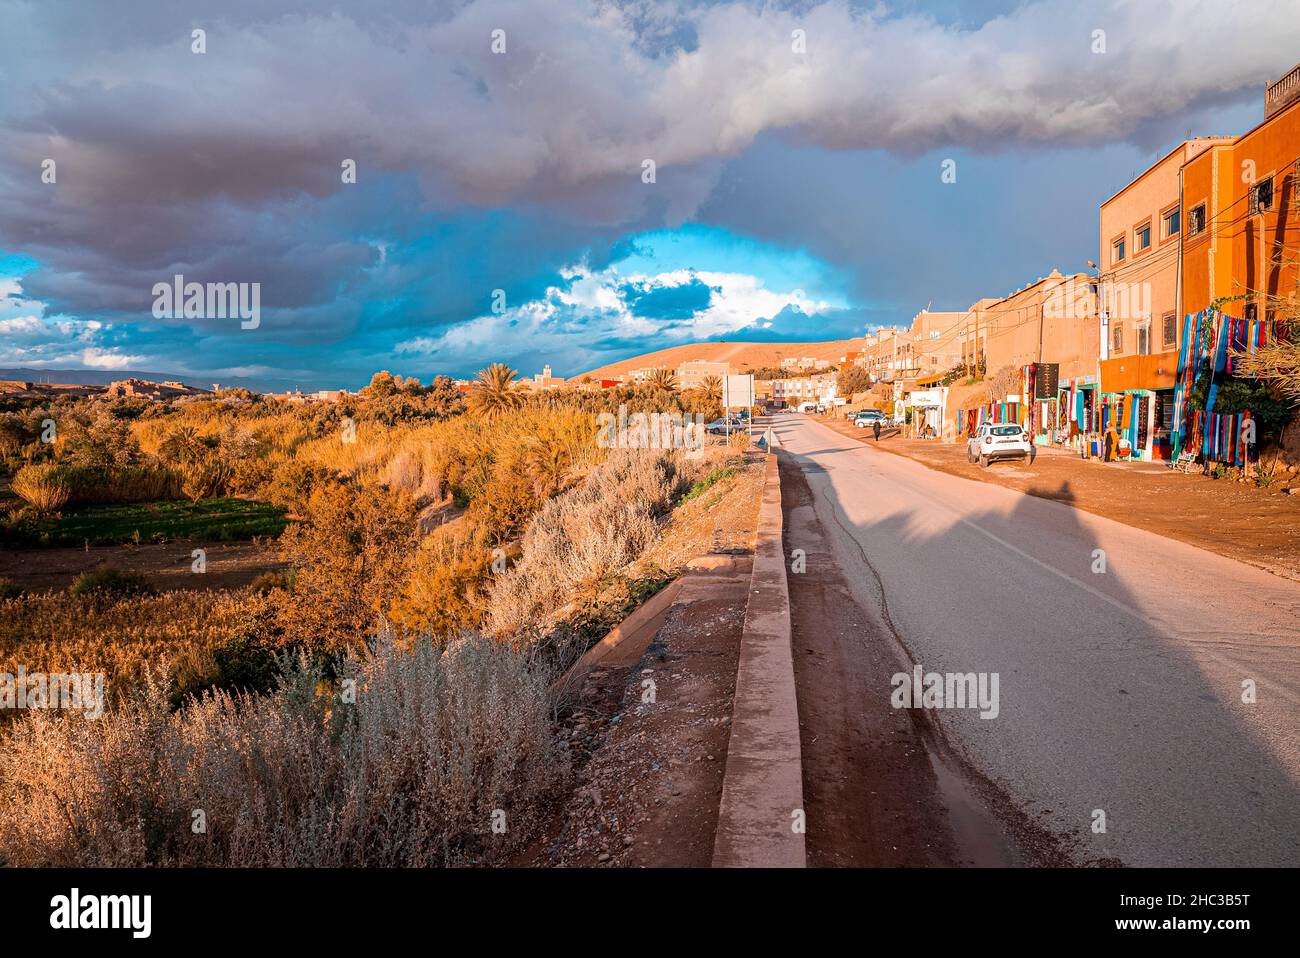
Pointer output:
1005, 430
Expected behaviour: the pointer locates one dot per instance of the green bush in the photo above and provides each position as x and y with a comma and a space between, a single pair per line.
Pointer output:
1236, 395
712, 479
248, 663
110, 585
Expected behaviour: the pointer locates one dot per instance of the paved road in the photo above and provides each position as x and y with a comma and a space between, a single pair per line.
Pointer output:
1119, 691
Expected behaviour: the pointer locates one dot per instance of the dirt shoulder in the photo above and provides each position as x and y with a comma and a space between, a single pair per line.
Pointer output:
647, 732
1258, 526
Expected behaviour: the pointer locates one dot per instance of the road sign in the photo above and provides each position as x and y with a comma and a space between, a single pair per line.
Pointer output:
738, 391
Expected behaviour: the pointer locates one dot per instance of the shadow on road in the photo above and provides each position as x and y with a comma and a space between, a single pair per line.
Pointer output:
1101, 714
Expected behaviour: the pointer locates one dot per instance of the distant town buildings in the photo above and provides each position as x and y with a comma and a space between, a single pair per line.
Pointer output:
144, 389
543, 380
693, 373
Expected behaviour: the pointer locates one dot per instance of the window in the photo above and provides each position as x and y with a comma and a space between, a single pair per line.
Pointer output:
1144, 340
1117, 251
1170, 330
1117, 338
1172, 222
1143, 237
1196, 220
1261, 195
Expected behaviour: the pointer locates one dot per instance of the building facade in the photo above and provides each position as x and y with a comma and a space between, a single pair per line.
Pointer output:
1140, 254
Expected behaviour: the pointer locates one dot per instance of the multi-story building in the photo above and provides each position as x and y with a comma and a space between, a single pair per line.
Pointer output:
1239, 201
880, 357
791, 392
146, 389
692, 373
1053, 322
934, 343
973, 332
1141, 238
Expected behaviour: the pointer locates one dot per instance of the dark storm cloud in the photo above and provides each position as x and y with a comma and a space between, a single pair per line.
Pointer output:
225, 166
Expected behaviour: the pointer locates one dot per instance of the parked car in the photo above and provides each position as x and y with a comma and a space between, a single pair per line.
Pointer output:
807, 406
720, 427
866, 417
821, 409
997, 440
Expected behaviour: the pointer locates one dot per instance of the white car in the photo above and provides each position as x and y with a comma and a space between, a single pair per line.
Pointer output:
997, 440
864, 419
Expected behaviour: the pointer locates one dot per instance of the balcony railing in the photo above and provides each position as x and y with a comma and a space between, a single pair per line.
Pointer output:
1282, 92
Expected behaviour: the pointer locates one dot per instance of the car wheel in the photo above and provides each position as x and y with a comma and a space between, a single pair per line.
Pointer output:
984, 461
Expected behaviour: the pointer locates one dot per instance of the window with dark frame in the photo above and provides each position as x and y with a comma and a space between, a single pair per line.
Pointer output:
1196, 220
1143, 237
1261, 196
1117, 338
1117, 251
1172, 222
1170, 328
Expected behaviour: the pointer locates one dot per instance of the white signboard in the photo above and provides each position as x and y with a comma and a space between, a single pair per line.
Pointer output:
925, 397
738, 391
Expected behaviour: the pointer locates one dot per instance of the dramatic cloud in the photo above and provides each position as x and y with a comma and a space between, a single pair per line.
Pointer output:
479, 170
594, 317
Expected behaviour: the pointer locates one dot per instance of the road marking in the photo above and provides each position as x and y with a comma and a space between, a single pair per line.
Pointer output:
1123, 607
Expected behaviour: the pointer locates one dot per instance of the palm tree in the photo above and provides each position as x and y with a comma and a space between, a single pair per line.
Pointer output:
181, 445
548, 466
495, 392
711, 389
662, 378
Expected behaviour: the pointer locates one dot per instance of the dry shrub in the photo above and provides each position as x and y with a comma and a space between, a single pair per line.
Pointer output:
409, 775
46, 488
50, 487
445, 587
350, 555
134, 484
203, 477
583, 536
58, 632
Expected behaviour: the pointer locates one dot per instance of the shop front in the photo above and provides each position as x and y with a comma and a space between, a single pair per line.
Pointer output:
923, 411
1076, 412
1137, 398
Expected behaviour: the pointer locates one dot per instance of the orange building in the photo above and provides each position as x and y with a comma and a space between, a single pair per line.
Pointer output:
1141, 239
1240, 205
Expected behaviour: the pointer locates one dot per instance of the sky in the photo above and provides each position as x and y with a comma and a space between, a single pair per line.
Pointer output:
570, 183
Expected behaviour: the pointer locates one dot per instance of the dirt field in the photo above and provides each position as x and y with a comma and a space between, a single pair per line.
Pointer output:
1257, 526
168, 566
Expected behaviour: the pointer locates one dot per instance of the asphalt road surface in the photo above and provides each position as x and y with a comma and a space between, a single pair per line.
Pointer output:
1119, 692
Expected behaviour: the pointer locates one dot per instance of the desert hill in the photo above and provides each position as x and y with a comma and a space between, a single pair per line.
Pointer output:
742, 356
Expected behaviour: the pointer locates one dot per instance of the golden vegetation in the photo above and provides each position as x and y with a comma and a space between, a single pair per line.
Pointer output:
433, 556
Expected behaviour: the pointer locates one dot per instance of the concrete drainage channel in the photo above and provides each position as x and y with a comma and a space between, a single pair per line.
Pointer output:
762, 790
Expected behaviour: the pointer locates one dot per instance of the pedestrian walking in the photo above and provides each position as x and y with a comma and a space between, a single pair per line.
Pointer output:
875, 430
1111, 443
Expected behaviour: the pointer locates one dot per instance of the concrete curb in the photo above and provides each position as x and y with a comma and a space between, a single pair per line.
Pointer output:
762, 786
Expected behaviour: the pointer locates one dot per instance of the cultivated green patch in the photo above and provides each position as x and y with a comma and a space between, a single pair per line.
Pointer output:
209, 519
